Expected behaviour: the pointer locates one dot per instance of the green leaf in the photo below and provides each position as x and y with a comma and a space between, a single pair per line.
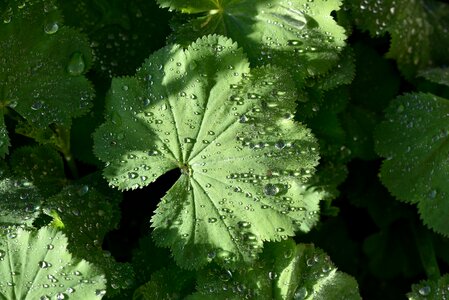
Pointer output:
415, 28
4, 138
37, 265
430, 289
243, 159
285, 271
20, 201
42, 65
167, 283
41, 165
414, 139
437, 75
300, 36
123, 33
85, 213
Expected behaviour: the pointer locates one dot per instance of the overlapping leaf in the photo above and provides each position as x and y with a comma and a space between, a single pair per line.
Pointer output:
243, 159
416, 27
415, 141
41, 66
285, 271
37, 265
85, 213
298, 35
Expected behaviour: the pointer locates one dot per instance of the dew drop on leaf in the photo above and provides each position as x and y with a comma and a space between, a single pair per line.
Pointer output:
425, 290
43, 264
271, 189
51, 28
76, 64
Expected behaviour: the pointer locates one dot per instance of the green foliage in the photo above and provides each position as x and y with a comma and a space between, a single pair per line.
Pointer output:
415, 27
233, 137
414, 141
46, 272
217, 159
41, 61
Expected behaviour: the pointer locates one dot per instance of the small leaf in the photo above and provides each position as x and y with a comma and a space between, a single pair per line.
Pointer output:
300, 36
414, 139
244, 161
430, 289
36, 265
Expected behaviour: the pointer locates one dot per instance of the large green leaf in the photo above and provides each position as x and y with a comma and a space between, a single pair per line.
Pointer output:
41, 66
36, 265
415, 142
285, 271
244, 161
298, 35
418, 29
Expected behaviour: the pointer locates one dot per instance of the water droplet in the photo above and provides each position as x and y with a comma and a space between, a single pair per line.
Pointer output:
271, 189
425, 290
133, 175
301, 293
51, 28
45, 297
44, 265
293, 43
61, 296
244, 225
125, 87
83, 190
272, 275
76, 64
2, 254
189, 140
433, 194
212, 220
37, 105
100, 293
50, 247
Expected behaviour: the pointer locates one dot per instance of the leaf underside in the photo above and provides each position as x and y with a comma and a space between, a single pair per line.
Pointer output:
244, 161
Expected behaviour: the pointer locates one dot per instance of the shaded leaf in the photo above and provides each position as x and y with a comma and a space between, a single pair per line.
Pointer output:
437, 75
41, 165
415, 28
85, 214
430, 289
37, 265
41, 66
123, 33
414, 139
243, 159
